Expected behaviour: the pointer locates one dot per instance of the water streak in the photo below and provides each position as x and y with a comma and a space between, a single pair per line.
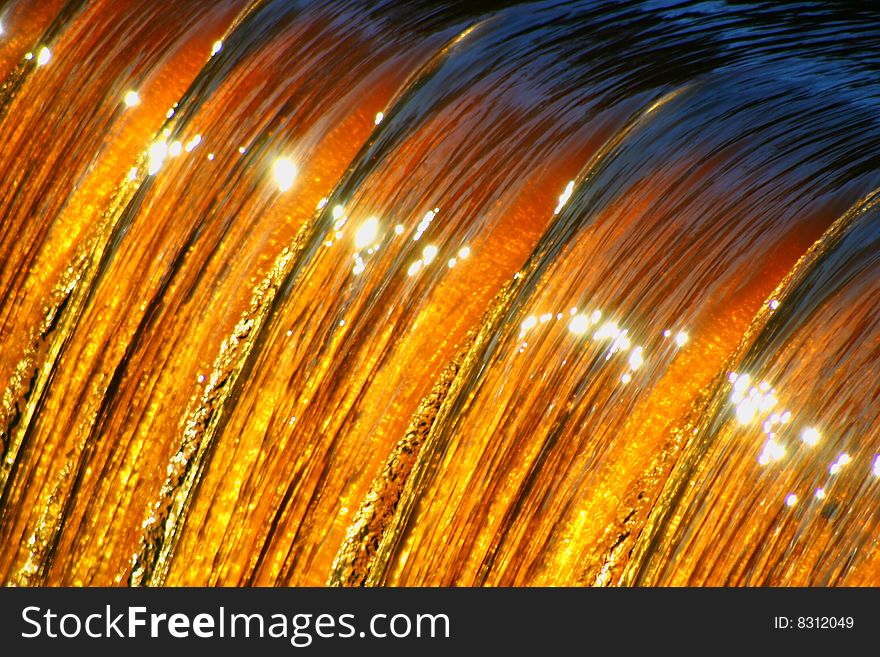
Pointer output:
492, 293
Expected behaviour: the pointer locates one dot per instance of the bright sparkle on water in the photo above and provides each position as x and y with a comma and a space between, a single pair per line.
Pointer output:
579, 324
773, 451
285, 173
429, 253
636, 358
839, 464
564, 197
44, 56
366, 233
157, 154
810, 436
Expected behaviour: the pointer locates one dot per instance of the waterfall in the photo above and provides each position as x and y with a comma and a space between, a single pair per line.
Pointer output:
460, 293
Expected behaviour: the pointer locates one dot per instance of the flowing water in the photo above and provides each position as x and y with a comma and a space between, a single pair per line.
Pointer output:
457, 293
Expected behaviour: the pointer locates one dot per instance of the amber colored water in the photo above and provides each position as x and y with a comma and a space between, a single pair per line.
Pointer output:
500, 293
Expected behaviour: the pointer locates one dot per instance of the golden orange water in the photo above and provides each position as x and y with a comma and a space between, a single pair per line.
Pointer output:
446, 294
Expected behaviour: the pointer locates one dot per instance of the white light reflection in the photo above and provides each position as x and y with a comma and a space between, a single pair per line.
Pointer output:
157, 154
636, 358
429, 253
284, 172
424, 223
579, 324
773, 451
366, 233
810, 436
839, 464
564, 197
